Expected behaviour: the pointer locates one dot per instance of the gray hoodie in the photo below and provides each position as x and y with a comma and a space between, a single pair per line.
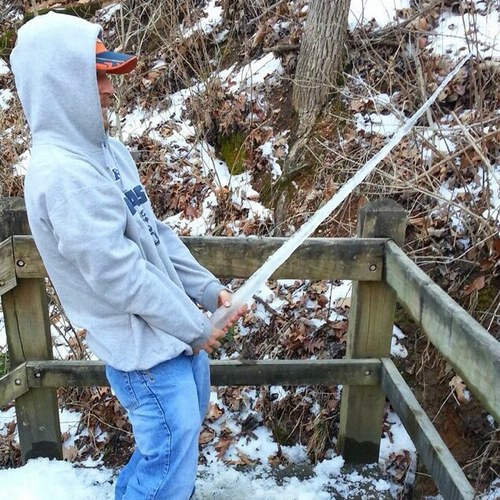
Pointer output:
120, 273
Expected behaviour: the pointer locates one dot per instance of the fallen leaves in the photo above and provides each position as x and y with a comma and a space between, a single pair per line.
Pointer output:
226, 438
398, 464
476, 285
459, 387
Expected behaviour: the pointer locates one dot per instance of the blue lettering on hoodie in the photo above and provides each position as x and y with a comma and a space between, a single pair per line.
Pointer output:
135, 198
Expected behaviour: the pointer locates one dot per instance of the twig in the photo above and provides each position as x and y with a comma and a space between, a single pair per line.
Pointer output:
473, 143
260, 16
414, 52
438, 165
34, 7
437, 197
267, 307
494, 314
280, 49
384, 32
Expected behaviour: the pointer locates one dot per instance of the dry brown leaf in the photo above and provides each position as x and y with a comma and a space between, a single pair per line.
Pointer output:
214, 412
344, 303
206, 436
477, 284
243, 460
222, 446
457, 384
358, 105
70, 453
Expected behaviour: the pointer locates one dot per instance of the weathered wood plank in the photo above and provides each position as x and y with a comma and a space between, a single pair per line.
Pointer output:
229, 372
13, 385
473, 353
7, 270
295, 372
28, 263
27, 323
440, 463
56, 373
371, 322
13, 219
28, 337
316, 259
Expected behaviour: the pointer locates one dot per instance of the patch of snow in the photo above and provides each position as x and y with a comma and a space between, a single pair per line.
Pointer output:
56, 480
339, 293
383, 12
21, 166
197, 226
398, 349
5, 97
4, 68
395, 441
491, 421
211, 19
6, 417
453, 194
399, 439
266, 69
69, 421
269, 151
437, 140
458, 35
493, 492
106, 13
376, 123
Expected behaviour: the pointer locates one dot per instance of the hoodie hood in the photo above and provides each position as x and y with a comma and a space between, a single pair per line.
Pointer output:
54, 65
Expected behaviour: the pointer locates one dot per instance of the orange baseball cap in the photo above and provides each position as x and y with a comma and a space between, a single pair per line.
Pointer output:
113, 62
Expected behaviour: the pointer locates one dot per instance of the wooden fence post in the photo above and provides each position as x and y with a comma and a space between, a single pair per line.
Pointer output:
27, 325
369, 336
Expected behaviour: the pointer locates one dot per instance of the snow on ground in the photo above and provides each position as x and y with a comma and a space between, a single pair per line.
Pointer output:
43, 479
60, 480
383, 12
5, 98
4, 69
477, 33
210, 19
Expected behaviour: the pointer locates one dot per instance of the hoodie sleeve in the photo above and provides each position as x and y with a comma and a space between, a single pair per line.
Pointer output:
200, 284
90, 232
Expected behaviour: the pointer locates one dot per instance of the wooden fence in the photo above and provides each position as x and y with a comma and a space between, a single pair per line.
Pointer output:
382, 274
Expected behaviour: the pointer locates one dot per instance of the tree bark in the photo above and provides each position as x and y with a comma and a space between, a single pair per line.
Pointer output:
320, 59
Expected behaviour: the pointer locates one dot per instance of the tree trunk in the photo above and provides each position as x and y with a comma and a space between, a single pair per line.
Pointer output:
320, 59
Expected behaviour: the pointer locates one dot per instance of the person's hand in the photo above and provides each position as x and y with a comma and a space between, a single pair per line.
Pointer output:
224, 300
213, 342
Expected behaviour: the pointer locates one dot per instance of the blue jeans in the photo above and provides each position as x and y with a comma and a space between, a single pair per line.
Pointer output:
166, 406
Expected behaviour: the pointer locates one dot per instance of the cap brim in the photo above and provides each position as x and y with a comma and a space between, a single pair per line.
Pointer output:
115, 63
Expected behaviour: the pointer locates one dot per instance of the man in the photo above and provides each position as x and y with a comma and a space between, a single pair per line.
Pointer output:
120, 273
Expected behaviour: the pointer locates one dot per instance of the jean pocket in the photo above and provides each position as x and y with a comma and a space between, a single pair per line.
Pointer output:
123, 386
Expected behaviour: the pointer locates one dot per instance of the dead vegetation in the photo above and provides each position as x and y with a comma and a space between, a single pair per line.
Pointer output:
453, 237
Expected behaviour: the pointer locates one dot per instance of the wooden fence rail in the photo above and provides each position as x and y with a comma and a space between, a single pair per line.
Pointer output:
381, 275
472, 352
